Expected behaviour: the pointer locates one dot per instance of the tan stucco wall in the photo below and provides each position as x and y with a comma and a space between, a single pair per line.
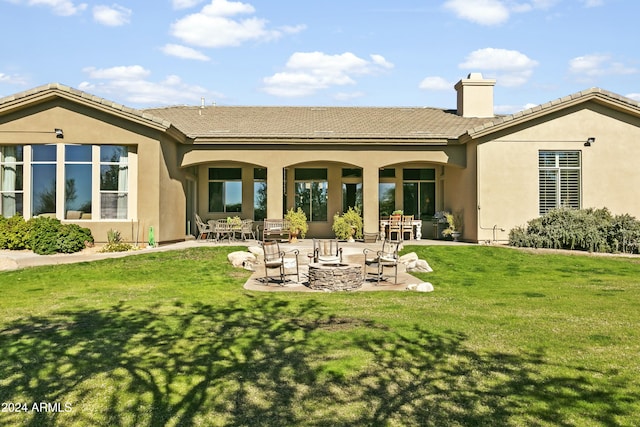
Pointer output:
508, 166
148, 173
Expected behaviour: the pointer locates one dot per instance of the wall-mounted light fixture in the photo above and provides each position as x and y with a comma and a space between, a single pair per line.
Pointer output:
590, 141
59, 133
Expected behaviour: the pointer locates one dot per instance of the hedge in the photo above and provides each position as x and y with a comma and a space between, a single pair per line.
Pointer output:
594, 230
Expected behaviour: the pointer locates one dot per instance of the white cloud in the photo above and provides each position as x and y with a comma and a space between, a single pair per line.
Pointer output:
511, 68
634, 96
435, 83
131, 83
184, 52
381, 61
112, 16
12, 79
495, 12
58, 7
309, 72
130, 72
483, 12
595, 65
217, 25
593, 3
185, 4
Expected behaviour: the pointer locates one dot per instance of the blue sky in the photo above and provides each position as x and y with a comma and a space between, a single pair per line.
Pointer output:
344, 53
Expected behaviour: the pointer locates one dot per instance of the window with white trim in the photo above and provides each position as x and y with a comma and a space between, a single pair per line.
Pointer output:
559, 180
11, 180
225, 189
77, 181
114, 182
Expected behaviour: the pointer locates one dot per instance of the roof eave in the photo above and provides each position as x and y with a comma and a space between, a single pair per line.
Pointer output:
51, 91
603, 97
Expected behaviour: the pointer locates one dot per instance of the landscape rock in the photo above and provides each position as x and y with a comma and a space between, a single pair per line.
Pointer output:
419, 266
420, 287
241, 258
257, 251
408, 259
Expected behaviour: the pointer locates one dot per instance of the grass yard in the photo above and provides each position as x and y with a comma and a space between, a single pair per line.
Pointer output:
508, 338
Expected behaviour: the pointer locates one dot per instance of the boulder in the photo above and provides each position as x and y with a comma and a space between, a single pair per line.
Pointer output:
419, 266
420, 287
257, 251
241, 258
424, 287
409, 258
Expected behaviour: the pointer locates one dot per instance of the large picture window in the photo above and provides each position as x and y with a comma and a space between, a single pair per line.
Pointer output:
63, 181
11, 180
311, 191
559, 180
225, 190
44, 184
114, 182
419, 192
77, 181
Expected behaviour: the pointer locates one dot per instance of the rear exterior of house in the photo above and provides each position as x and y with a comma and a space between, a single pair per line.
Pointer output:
112, 167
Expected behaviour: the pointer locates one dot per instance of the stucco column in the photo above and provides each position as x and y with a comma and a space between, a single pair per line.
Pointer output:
275, 192
370, 199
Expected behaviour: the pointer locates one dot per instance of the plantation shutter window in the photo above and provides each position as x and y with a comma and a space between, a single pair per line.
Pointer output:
559, 180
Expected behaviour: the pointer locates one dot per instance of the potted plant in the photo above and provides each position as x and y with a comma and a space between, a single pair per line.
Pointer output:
297, 224
234, 222
348, 225
454, 228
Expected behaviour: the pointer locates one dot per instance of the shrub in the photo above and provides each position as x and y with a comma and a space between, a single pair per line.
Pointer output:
73, 238
14, 233
624, 234
43, 236
594, 230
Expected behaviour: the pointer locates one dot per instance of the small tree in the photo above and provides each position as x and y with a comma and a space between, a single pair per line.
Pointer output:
297, 222
348, 225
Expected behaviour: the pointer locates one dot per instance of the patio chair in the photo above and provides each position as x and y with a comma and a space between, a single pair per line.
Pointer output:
276, 258
204, 229
386, 257
246, 229
327, 251
395, 227
407, 227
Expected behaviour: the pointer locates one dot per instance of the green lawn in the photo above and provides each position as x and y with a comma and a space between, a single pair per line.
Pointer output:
508, 338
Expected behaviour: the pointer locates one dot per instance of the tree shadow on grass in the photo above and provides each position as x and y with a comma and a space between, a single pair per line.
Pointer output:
263, 361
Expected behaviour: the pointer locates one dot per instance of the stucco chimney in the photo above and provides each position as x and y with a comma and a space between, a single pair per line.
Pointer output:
475, 96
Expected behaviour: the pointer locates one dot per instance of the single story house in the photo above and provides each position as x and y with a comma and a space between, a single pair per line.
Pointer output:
86, 160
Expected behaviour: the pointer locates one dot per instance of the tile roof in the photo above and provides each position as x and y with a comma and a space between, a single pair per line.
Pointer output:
322, 123
418, 123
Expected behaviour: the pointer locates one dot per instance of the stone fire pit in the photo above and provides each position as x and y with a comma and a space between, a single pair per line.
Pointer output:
335, 277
